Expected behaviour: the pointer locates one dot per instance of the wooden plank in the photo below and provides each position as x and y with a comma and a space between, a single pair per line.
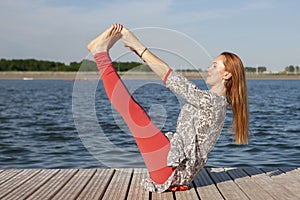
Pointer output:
136, 190
16, 181
288, 169
8, 174
53, 185
283, 172
206, 187
249, 186
288, 181
267, 184
162, 196
96, 187
75, 185
295, 172
31, 185
119, 185
187, 194
226, 185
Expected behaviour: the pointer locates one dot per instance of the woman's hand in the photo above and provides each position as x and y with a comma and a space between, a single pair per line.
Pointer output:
156, 64
131, 42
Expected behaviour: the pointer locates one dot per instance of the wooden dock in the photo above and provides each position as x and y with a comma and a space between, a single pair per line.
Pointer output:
89, 184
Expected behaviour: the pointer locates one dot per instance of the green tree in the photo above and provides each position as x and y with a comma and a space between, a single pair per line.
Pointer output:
297, 69
261, 69
290, 68
250, 69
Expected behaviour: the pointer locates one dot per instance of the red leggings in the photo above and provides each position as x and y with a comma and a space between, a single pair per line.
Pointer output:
153, 144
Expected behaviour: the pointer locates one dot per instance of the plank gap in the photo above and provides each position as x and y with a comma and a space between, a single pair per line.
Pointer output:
90, 178
107, 184
128, 186
215, 183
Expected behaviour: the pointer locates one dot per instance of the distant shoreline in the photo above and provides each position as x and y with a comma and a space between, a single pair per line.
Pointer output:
125, 75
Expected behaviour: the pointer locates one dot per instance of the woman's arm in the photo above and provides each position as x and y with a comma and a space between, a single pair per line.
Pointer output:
156, 64
176, 82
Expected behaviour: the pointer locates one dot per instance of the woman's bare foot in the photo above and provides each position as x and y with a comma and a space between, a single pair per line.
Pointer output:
106, 40
131, 42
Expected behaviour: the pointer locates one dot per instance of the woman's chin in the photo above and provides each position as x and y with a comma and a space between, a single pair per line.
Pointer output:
207, 82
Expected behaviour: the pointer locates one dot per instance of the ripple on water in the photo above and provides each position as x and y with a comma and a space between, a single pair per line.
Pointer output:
37, 127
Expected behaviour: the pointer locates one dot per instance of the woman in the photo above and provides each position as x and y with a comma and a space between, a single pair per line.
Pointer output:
174, 159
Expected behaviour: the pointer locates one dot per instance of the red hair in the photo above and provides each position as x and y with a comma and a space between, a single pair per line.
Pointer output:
236, 94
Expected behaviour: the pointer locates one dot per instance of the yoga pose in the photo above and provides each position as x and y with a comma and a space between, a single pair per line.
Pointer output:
174, 159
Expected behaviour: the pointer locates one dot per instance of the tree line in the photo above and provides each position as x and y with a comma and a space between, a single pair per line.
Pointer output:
88, 65
292, 69
262, 69
259, 69
41, 65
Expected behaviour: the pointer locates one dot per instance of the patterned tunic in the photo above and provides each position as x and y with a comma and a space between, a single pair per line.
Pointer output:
198, 127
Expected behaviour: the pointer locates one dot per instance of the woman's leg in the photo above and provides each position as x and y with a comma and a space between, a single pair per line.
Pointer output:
153, 145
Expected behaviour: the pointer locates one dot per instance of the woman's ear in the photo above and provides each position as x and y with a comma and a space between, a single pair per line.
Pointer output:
227, 75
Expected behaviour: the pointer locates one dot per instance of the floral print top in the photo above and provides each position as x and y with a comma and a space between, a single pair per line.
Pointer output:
198, 127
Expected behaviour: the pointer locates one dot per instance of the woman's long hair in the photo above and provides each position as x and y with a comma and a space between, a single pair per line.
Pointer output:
236, 94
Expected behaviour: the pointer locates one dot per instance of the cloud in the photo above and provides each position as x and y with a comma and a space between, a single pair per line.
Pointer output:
49, 31
60, 30
29, 29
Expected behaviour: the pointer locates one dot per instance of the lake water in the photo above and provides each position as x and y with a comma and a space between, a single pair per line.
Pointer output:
41, 126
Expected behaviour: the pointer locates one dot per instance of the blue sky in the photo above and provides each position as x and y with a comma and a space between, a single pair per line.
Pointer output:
261, 32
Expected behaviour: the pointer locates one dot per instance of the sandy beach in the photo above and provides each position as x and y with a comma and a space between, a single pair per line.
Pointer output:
125, 75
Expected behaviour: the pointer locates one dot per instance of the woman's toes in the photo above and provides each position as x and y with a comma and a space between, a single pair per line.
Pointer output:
106, 40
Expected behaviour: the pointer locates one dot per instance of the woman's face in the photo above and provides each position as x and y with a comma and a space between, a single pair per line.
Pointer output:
216, 72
